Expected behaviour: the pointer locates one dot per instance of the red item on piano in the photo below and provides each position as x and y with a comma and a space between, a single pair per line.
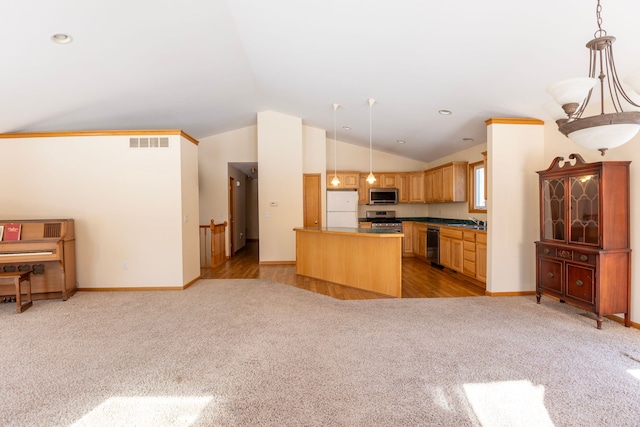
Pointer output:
12, 231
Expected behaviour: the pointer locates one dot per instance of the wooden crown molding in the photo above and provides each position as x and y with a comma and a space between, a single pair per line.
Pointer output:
99, 133
512, 121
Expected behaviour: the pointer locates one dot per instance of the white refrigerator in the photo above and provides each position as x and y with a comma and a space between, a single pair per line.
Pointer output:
342, 209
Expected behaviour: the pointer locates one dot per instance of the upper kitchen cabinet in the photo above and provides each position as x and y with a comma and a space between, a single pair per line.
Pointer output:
584, 254
402, 180
446, 183
416, 187
348, 179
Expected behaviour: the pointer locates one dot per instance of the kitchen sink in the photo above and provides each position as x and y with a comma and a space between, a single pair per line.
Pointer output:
469, 226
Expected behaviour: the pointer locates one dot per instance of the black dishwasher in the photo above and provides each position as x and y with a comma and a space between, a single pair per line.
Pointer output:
433, 244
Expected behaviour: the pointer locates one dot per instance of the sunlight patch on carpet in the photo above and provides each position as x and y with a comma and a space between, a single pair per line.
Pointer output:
634, 373
145, 411
508, 403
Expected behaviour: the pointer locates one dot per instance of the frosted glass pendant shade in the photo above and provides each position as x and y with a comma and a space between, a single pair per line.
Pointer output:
371, 179
335, 181
608, 136
572, 90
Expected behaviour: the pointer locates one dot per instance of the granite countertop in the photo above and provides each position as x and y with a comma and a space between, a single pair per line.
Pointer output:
350, 230
450, 222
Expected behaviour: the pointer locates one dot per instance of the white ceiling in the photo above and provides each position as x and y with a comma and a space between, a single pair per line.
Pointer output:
207, 66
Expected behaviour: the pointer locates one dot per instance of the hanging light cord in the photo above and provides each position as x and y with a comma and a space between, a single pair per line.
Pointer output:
335, 142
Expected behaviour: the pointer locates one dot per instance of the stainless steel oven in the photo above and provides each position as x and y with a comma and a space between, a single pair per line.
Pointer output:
433, 244
386, 220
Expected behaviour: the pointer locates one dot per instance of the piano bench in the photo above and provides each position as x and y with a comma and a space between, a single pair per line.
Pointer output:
16, 279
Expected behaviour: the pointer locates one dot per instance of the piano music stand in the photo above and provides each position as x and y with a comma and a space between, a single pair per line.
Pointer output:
16, 278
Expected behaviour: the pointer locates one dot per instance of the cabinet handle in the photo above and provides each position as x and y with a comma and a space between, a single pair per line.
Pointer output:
546, 251
579, 282
583, 258
550, 275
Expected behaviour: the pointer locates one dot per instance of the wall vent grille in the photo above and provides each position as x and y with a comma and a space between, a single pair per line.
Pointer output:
149, 142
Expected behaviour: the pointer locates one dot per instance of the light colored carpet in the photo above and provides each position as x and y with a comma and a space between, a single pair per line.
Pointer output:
258, 353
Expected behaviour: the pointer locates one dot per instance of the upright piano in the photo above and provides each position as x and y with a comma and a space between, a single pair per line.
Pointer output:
47, 248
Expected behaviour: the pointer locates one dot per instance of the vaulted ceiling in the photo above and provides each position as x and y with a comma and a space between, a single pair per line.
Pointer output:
208, 66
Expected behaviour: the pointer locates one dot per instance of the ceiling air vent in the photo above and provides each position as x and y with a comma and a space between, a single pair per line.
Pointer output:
149, 142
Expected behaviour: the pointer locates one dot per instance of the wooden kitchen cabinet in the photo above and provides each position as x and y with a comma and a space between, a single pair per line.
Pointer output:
348, 179
583, 256
416, 187
452, 248
402, 180
481, 257
407, 242
446, 183
420, 240
363, 190
469, 253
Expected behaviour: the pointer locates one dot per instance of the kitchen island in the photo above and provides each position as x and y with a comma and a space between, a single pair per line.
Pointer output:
368, 259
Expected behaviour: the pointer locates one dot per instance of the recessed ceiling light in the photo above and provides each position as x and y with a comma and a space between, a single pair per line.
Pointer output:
445, 112
61, 38
401, 141
467, 139
346, 128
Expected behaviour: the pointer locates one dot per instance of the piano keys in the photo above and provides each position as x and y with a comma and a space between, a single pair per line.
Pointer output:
47, 248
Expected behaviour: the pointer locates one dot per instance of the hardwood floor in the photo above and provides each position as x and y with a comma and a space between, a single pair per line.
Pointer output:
419, 279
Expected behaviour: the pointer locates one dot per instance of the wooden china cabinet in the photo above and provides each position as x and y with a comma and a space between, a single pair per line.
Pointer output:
583, 256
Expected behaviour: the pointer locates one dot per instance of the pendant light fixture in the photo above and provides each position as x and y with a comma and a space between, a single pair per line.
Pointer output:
601, 131
370, 179
335, 181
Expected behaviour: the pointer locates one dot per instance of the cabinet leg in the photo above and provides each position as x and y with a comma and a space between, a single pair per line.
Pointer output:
599, 321
538, 298
627, 320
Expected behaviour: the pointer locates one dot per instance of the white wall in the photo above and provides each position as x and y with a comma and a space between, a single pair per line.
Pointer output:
314, 159
515, 152
557, 144
280, 190
128, 204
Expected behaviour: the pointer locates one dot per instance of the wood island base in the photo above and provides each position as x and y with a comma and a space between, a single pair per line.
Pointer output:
370, 261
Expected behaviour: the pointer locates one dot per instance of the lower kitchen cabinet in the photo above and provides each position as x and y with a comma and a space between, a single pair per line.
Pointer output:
420, 240
469, 253
407, 241
481, 257
451, 248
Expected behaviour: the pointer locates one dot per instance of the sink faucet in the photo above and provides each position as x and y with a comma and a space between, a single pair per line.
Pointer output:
479, 223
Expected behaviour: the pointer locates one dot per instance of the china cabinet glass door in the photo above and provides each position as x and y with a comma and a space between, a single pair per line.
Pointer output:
584, 209
553, 209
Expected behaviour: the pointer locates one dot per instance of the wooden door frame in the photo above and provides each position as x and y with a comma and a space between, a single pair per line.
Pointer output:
232, 215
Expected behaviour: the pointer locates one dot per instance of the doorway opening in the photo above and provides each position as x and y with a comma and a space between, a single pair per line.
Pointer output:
243, 205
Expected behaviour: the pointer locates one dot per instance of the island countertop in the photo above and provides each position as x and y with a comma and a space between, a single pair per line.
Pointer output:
366, 259
376, 232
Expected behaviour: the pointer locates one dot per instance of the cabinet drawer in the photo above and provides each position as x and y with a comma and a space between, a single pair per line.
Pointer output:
469, 268
580, 283
549, 251
587, 258
470, 246
469, 255
481, 237
452, 233
550, 274
469, 236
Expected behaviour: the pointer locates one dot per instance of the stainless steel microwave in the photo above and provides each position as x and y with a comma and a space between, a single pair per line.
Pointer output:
383, 196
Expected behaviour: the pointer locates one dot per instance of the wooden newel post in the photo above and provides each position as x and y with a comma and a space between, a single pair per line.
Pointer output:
218, 253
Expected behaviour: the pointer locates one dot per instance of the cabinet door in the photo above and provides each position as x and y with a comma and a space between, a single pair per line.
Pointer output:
447, 183
457, 253
363, 190
584, 209
330, 175
421, 250
350, 180
407, 241
428, 187
436, 178
580, 283
445, 251
402, 180
481, 262
416, 187
553, 196
388, 180
550, 275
